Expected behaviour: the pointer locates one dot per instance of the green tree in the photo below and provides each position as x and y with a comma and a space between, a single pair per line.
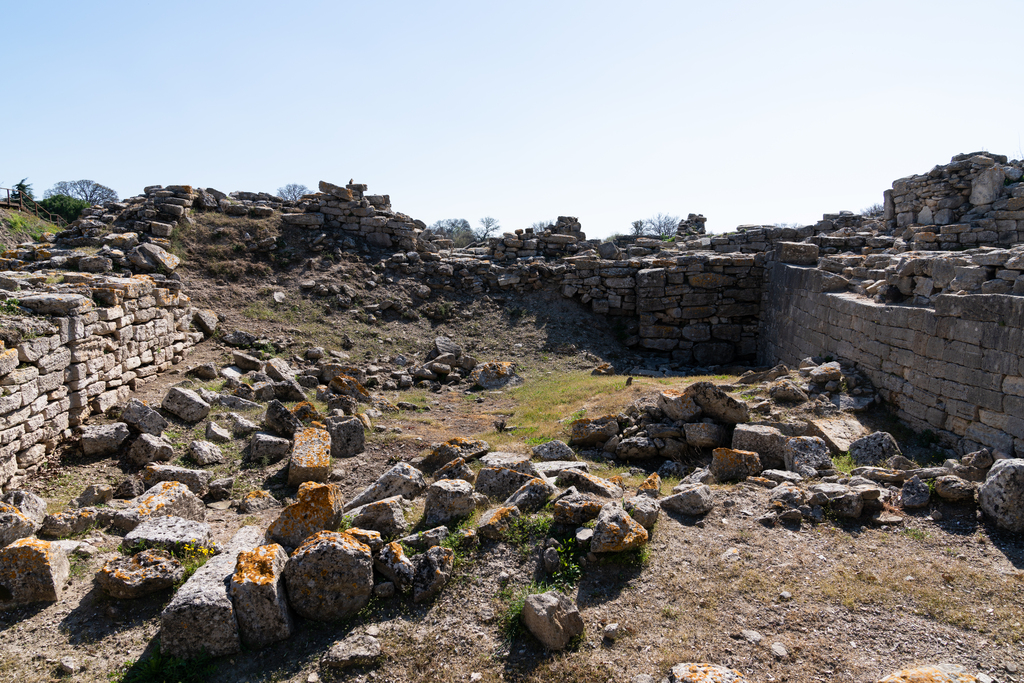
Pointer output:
23, 190
64, 206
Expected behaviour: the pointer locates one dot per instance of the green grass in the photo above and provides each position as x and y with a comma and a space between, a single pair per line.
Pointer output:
28, 226
528, 530
844, 463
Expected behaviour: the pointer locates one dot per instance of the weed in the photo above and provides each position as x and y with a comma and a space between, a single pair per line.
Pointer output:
569, 572
510, 624
251, 520
638, 557
538, 440
10, 307
526, 530
916, 534
844, 463
669, 612
161, 668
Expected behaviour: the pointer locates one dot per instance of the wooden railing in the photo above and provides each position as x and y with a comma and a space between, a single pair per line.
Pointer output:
13, 199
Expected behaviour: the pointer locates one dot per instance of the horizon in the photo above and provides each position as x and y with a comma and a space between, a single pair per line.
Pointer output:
744, 113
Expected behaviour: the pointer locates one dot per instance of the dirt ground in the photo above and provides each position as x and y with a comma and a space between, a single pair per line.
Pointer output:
846, 601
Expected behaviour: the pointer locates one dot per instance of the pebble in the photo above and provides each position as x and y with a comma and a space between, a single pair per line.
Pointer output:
612, 631
785, 596
69, 666
751, 636
780, 651
936, 516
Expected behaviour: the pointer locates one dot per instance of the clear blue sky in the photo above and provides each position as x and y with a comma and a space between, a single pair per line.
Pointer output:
747, 112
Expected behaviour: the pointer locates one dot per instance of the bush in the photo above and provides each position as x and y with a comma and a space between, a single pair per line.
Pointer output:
64, 206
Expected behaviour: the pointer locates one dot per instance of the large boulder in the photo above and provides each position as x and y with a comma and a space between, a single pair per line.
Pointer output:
170, 533
768, 442
329, 577
145, 572
14, 525
1002, 495
318, 508
401, 480
198, 481
168, 498
728, 464
387, 517
311, 456
186, 404
347, 436
148, 448
874, 449
448, 500
143, 419
552, 618
32, 570
805, 455
258, 591
717, 404
201, 616
616, 531
689, 499
433, 570
103, 439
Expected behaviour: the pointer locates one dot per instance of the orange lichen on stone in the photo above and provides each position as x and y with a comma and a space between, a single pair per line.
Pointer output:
651, 483
928, 674
318, 507
367, 537
349, 386
257, 565
306, 412
345, 539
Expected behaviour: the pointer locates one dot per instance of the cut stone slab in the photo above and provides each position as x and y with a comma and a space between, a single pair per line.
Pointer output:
512, 461
689, 499
576, 509
29, 504
201, 616
553, 450
205, 453
728, 464
678, 406
689, 672
329, 577
500, 482
839, 432
874, 449
643, 509
311, 457
717, 404
588, 483
805, 455
267, 448
149, 571
348, 437
70, 522
14, 525
319, 507
198, 481
258, 591
32, 570
353, 651
165, 499
433, 570
185, 404
387, 517
217, 434
148, 448
552, 618
456, 469
170, 533
401, 480
448, 500
459, 447
143, 419
1002, 495
768, 442
103, 439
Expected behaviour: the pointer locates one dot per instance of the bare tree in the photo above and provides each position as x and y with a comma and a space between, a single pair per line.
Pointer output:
86, 190
662, 225
873, 211
488, 226
637, 228
541, 226
292, 191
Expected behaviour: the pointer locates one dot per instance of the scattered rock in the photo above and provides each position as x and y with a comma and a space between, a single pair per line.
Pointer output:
148, 448
171, 533
704, 673
386, 517
258, 591
552, 618
198, 481
689, 499
329, 577
14, 525
353, 651
267, 448
168, 498
915, 493
319, 507
616, 531
217, 434
553, 450
32, 570
728, 464
103, 439
717, 404
311, 457
874, 449
205, 453
401, 480
805, 455
447, 501
127, 578
347, 436
142, 418
1002, 495
496, 523
185, 404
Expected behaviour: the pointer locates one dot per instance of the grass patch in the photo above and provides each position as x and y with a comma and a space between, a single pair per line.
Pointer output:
528, 530
844, 463
28, 226
161, 668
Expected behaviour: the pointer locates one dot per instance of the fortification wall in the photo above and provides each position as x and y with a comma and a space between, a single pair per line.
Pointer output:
96, 338
956, 368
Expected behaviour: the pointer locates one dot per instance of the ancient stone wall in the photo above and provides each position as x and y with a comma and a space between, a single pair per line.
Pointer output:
103, 337
956, 369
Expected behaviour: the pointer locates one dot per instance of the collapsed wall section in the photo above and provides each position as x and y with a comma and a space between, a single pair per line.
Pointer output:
955, 368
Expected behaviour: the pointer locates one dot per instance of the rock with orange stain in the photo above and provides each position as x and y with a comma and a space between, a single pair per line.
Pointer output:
32, 571
14, 525
257, 501
593, 431
311, 456
651, 486
201, 616
433, 570
616, 531
456, 469
70, 522
531, 496
496, 523
678, 406
329, 577
384, 516
588, 483
576, 509
127, 578
260, 600
168, 498
717, 404
943, 673
495, 375
690, 672
319, 507
728, 464
643, 509
689, 499
393, 563
368, 537
448, 500
459, 447
198, 481
349, 386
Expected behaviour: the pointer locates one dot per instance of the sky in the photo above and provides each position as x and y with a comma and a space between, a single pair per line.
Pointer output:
745, 112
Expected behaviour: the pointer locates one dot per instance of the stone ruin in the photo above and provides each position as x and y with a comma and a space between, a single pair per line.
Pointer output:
925, 305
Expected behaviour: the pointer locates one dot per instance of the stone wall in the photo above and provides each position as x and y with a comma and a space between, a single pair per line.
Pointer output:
956, 369
95, 338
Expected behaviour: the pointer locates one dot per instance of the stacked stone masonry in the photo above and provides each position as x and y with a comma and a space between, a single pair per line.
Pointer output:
95, 339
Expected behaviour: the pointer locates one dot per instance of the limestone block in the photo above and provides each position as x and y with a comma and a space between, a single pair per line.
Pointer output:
198, 481
171, 533
401, 480
448, 500
164, 499
329, 577
186, 404
347, 436
259, 595
319, 507
311, 456
127, 578
32, 570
